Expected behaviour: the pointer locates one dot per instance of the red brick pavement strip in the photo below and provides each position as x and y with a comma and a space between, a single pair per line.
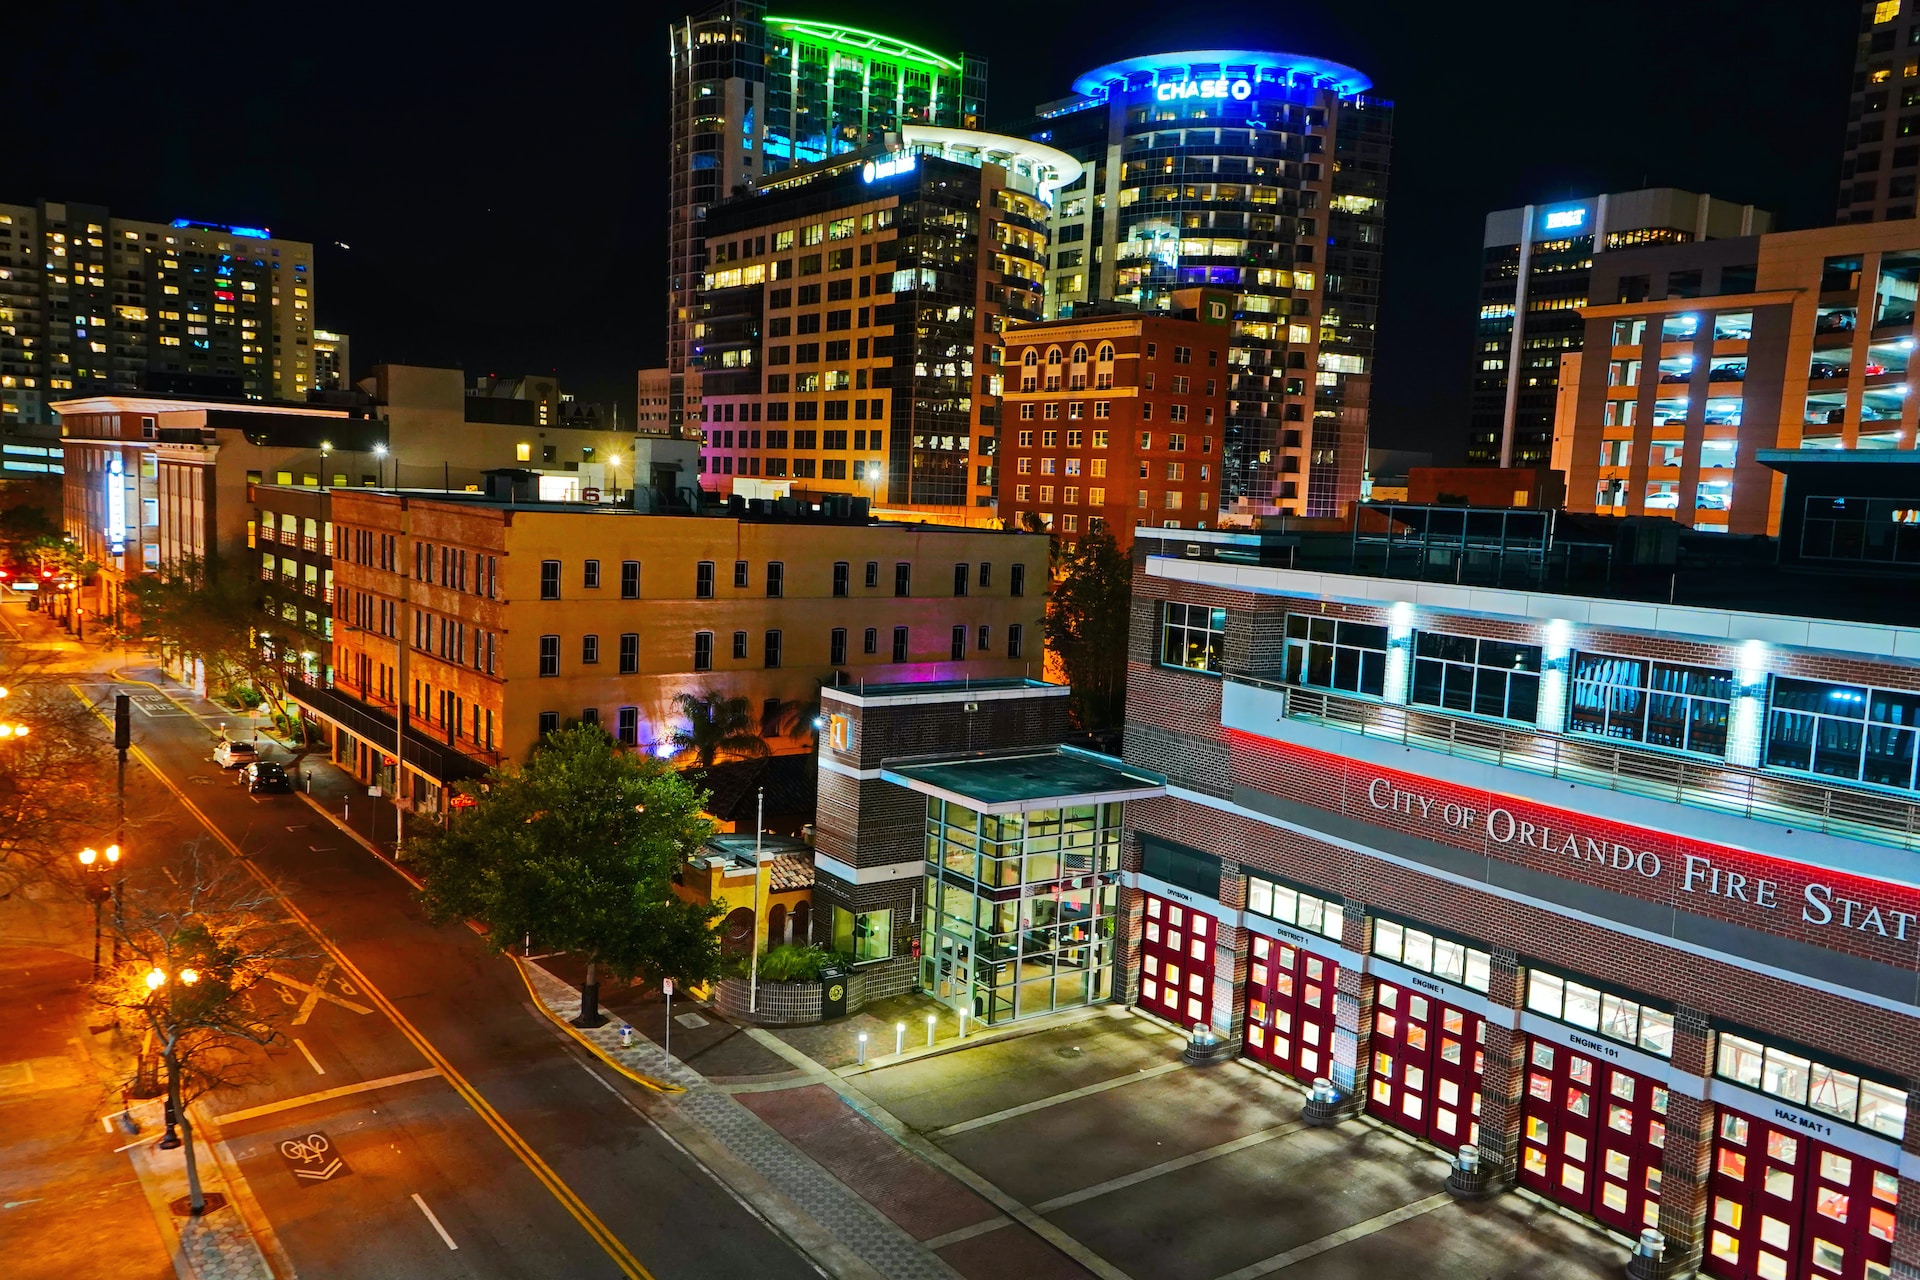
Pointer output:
1011, 1251
923, 1201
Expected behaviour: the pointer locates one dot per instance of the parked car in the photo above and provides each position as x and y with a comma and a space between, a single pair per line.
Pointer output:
265, 775
233, 755
1834, 322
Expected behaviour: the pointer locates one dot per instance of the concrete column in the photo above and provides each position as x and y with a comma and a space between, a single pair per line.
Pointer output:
1352, 1069
1503, 1076
1906, 1233
1688, 1155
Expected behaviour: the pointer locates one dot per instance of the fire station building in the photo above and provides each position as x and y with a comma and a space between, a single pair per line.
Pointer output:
1622, 892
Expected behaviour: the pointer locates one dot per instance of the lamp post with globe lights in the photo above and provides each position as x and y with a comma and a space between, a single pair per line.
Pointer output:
97, 866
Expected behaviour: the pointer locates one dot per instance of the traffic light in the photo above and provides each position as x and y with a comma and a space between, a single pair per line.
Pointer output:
122, 722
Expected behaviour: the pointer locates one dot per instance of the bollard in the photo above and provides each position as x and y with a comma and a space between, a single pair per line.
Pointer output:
963, 1022
1204, 1046
1467, 1179
1323, 1103
899, 1038
863, 1049
1649, 1260
929, 1031
626, 1036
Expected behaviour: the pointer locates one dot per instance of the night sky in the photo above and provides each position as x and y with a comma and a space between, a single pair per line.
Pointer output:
499, 173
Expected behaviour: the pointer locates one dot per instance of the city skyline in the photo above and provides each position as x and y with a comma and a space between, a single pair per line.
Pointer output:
553, 182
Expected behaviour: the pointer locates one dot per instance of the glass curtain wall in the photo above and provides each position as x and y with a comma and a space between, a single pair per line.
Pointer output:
1020, 911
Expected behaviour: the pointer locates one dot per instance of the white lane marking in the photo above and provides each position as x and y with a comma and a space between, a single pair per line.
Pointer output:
325, 1095
314, 993
298, 985
435, 1221
307, 1053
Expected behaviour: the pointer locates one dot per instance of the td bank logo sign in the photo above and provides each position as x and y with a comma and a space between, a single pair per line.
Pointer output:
1818, 905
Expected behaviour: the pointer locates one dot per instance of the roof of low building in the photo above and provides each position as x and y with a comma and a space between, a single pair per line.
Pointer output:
1020, 781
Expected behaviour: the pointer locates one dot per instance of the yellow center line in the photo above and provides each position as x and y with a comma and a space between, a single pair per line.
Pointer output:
569, 1200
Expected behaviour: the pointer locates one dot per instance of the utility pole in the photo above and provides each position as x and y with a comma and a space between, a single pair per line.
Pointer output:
753, 938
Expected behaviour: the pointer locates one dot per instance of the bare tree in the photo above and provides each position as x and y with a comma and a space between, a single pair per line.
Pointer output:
197, 939
50, 777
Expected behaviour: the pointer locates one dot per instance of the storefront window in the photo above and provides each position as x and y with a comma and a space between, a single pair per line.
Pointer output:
1192, 636
865, 935
1658, 703
1817, 1085
1482, 677
1615, 1016
1441, 957
1290, 906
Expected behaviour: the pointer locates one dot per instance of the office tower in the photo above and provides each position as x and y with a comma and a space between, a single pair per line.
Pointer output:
91, 304
850, 309
1262, 173
1537, 264
754, 95
332, 361
1878, 169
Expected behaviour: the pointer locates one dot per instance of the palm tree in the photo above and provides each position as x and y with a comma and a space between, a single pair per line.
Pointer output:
716, 726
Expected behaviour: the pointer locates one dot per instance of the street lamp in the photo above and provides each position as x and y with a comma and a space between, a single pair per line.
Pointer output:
98, 888
157, 978
379, 467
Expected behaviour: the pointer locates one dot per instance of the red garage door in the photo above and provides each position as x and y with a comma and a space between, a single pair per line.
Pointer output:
1427, 1060
1290, 1008
1176, 961
1592, 1136
1783, 1205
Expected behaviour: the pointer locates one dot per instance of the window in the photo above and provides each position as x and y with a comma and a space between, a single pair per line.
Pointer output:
899, 644
771, 649
870, 640
590, 574
984, 640
962, 574
549, 655
776, 579
630, 653
1615, 1016
627, 722
549, 720
549, 579
1017, 580
703, 651
740, 644
740, 574
1843, 731
842, 577
703, 580
1330, 654
1658, 703
873, 573
589, 649
1191, 636
629, 579
958, 651
1483, 677
1429, 953
837, 646
1015, 637
1289, 906
903, 579
1825, 1088
865, 935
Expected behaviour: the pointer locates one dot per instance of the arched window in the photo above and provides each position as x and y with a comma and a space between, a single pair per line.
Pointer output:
1053, 356
1079, 355
1031, 358
1105, 354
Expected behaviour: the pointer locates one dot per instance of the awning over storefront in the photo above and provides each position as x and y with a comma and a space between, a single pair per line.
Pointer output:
1022, 781
434, 760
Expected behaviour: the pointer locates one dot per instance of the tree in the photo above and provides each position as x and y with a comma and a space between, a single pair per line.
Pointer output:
577, 849
209, 612
51, 777
716, 726
196, 942
1087, 621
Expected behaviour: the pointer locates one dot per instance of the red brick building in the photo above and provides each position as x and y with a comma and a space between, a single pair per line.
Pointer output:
1115, 420
1622, 893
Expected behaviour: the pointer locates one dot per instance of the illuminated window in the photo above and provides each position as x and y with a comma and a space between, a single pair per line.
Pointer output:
1886, 11
523, 452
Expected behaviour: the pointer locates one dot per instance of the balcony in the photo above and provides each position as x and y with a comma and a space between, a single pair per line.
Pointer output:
1717, 787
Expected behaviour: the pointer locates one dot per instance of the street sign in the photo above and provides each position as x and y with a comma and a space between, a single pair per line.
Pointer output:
311, 1159
666, 986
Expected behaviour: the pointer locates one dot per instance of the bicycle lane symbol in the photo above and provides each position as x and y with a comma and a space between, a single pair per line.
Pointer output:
311, 1159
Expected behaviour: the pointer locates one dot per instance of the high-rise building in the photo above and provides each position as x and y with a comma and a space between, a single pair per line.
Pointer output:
1537, 264
332, 361
849, 311
91, 304
754, 95
1878, 171
1262, 173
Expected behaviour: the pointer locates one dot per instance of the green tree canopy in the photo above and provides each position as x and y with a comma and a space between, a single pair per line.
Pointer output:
577, 848
716, 726
1087, 621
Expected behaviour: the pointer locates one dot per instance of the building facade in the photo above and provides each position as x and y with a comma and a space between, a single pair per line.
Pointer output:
1114, 420
481, 623
1718, 351
1878, 164
1619, 892
849, 313
1264, 174
1536, 273
91, 304
753, 96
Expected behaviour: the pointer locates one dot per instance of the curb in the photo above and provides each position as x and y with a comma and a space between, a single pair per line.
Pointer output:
356, 837
658, 1086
